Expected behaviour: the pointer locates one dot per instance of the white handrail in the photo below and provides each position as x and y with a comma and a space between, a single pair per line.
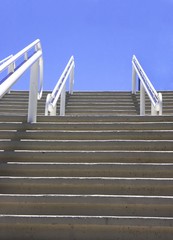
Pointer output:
145, 86
60, 90
5, 59
33, 61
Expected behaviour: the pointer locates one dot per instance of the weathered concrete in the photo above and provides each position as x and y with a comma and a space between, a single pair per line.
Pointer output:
102, 173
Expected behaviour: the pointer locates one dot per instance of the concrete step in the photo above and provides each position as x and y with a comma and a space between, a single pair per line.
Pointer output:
87, 156
92, 145
52, 169
85, 227
20, 100
102, 93
101, 110
87, 126
93, 103
19, 109
89, 205
87, 185
100, 176
89, 99
90, 119
87, 135
166, 100
24, 104
147, 100
90, 113
86, 107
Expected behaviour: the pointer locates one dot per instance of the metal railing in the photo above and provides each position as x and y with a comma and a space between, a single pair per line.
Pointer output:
145, 86
30, 57
60, 90
5, 59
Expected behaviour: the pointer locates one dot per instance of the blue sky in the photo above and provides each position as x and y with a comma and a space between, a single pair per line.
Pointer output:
101, 34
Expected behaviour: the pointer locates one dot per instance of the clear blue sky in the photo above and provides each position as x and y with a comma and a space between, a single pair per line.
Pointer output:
101, 34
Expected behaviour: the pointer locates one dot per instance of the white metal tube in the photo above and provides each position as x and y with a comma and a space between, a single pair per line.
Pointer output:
144, 85
62, 75
60, 89
135, 59
71, 81
6, 85
32, 106
11, 68
26, 56
48, 98
142, 99
141, 79
5, 59
160, 104
53, 112
153, 110
133, 80
62, 101
19, 54
39, 96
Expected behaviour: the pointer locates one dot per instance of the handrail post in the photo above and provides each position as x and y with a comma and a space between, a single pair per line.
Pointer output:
47, 103
62, 101
60, 90
32, 106
6, 59
153, 110
11, 68
160, 104
33, 61
53, 112
145, 86
71, 81
142, 99
133, 80
158, 108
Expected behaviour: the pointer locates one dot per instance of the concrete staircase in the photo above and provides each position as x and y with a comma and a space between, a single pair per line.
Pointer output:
101, 172
86, 103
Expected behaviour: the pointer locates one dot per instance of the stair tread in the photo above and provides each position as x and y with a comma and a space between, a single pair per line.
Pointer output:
97, 220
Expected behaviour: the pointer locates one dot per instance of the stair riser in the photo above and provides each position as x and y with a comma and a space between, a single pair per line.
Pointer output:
86, 209
85, 126
92, 119
22, 110
78, 186
88, 100
85, 232
88, 156
87, 135
88, 145
86, 228
59, 170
